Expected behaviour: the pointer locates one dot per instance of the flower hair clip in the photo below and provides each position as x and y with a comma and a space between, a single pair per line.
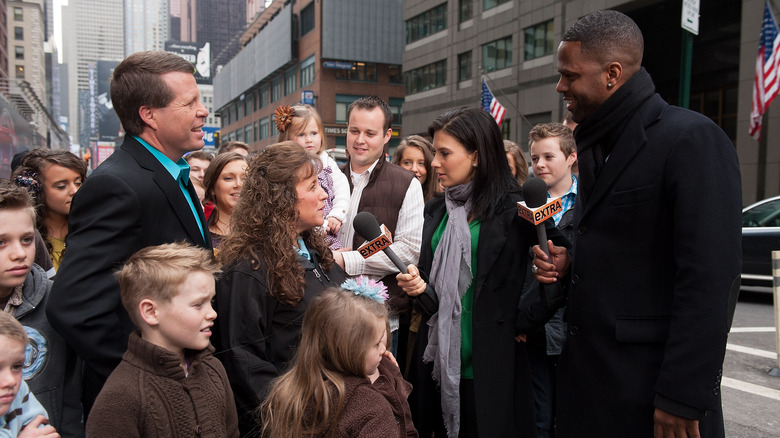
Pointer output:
376, 290
29, 180
283, 117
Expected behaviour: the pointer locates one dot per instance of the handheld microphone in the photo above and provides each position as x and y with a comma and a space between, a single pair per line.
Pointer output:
367, 227
535, 194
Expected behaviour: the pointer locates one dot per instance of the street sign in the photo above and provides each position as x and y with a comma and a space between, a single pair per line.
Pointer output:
307, 97
690, 16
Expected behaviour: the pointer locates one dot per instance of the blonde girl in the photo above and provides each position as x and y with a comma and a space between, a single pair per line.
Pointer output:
303, 125
343, 381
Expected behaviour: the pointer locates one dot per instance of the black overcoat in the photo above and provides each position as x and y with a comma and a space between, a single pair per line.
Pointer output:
654, 279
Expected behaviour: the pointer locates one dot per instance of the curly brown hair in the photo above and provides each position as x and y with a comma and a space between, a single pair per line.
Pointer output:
265, 217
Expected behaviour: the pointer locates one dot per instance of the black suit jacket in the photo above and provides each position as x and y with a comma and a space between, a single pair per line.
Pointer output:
129, 202
654, 278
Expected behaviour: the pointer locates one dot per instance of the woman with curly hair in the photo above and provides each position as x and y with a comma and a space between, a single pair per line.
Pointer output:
415, 153
53, 177
274, 262
303, 125
223, 181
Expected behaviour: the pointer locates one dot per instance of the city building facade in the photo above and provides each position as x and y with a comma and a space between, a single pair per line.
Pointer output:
92, 31
324, 52
451, 46
146, 25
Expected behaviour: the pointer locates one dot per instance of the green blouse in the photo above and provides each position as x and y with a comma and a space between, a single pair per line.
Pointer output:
467, 301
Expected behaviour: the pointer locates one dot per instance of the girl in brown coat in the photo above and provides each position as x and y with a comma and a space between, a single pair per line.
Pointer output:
343, 381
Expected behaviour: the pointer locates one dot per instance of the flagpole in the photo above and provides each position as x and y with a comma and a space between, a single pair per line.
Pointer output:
762, 153
506, 98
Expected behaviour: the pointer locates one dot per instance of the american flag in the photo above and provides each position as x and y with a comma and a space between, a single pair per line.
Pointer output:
765, 83
491, 105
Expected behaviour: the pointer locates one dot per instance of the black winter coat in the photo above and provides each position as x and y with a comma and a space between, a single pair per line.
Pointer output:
502, 380
654, 279
255, 334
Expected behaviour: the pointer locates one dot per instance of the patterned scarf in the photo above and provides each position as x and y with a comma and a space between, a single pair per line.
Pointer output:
451, 277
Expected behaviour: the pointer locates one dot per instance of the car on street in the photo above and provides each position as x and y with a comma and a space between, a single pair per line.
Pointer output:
760, 236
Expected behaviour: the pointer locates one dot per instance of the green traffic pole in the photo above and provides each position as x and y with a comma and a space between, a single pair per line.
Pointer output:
685, 69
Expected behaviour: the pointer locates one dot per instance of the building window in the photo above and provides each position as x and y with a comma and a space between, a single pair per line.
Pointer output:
18, 33
239, 134
307, 71
290, 80
248, 134
19, 72
240, 109
466, 10
274, 131
256, 133
19, 52
361, 71
427, 23
307, 19
342, 104
539, 40
506, 129
263, 128
18, 14
490, 4
528, 121
426, 77
464, 66
395, 74
263, 96
248, 103
497, 54
276, 89
395, 107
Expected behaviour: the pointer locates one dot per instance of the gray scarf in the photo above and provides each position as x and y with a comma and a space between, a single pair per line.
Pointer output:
451, 277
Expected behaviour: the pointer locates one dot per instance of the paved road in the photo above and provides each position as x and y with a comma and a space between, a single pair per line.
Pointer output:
751, 398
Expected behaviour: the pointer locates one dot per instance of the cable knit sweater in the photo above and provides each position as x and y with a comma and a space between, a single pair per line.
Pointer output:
377, 410
149, 396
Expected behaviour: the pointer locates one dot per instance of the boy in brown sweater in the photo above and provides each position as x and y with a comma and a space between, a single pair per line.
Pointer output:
168, 383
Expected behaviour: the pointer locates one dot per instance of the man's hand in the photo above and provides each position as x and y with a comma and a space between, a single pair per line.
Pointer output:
411, 283
548, 271
668, 425
38, 427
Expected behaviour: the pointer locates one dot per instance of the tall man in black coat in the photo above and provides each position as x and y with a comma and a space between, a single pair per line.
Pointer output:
655, 275
140, 196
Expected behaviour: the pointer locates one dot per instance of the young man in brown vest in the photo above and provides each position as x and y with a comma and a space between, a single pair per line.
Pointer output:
390, 193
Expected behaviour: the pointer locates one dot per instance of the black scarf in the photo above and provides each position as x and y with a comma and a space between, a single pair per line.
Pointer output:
597, 134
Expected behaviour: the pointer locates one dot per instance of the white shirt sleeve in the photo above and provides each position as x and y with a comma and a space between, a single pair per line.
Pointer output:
407, 239
340, 189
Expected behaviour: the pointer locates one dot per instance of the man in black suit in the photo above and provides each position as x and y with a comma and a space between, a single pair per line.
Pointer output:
655, 272
140, 196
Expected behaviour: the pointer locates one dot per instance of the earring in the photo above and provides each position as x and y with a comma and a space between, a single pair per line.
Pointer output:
474, 165
609, 84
